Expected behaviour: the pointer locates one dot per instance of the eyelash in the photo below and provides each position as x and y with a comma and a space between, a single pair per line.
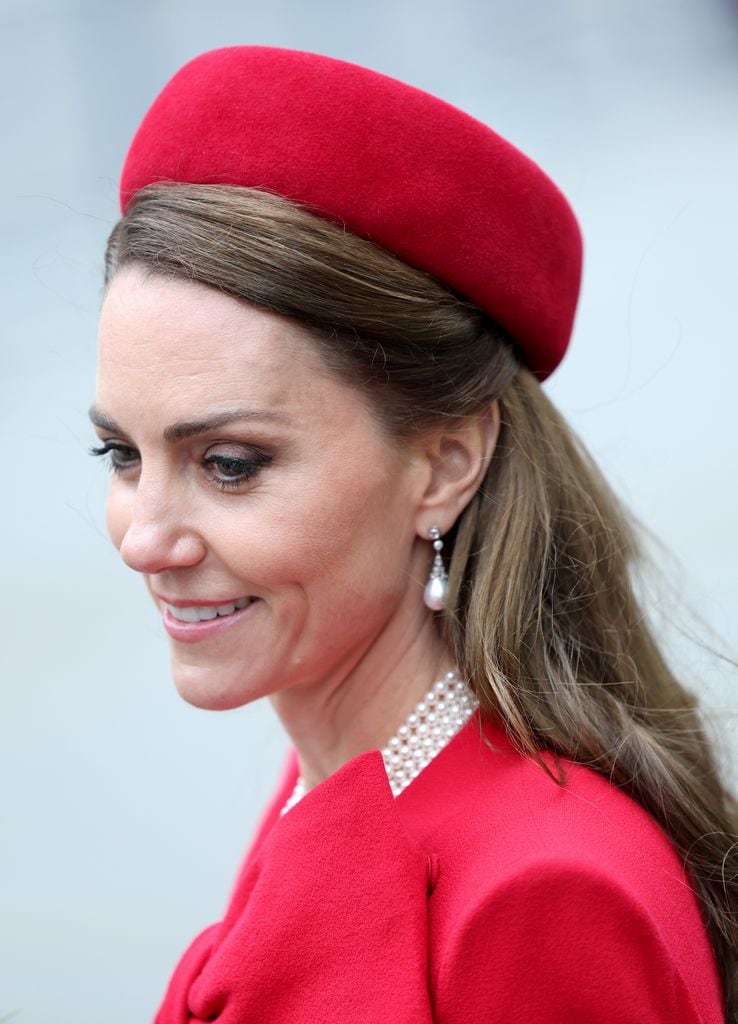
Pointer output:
248, 468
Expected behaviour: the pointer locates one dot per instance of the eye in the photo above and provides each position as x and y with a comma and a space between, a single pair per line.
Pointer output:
120, 456
229, 469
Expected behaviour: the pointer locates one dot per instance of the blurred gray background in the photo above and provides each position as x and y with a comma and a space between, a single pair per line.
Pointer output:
124, 811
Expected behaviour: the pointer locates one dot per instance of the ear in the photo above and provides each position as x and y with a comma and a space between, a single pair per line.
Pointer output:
456, 459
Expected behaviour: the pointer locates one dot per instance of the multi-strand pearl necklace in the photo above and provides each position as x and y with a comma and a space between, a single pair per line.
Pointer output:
433, 722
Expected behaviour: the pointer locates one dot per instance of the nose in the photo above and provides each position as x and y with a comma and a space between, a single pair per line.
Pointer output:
156, 532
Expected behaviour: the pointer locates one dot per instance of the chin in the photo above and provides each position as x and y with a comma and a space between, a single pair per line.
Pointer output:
208, 690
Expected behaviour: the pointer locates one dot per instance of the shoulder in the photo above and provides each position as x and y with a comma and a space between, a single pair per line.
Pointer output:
556, 899
491, 813
557, 940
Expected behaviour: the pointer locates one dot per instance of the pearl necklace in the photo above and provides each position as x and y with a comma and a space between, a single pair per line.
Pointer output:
433, 722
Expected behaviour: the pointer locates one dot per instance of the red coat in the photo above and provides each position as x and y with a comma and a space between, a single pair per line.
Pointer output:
484, 893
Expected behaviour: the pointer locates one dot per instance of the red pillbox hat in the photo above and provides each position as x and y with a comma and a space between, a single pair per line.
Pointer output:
392, 163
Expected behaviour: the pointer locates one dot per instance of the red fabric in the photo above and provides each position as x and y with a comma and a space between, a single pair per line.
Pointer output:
394, 164
484, 892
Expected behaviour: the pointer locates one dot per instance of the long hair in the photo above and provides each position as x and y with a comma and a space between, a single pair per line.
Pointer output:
541, 615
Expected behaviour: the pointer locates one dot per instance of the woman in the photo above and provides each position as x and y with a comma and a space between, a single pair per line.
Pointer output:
330, 300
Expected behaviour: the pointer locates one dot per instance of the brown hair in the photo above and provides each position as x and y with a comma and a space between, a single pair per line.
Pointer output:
541, 615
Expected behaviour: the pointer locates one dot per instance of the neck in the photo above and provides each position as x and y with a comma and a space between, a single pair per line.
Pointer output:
359, 708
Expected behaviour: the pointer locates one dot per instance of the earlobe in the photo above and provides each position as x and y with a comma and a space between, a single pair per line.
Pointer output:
458, 458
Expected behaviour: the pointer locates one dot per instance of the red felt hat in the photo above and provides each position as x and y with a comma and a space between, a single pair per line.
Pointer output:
393, 164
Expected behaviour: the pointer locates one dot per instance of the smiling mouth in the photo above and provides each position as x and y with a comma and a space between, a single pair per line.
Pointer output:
204, 613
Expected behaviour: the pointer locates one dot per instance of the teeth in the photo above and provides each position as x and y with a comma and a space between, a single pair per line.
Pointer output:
201, 613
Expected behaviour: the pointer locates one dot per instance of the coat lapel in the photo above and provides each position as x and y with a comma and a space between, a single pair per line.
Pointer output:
328, 921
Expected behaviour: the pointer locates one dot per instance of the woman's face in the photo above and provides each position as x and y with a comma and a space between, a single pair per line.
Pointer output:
274, 523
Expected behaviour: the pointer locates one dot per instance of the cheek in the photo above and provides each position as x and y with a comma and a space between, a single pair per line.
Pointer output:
348, 535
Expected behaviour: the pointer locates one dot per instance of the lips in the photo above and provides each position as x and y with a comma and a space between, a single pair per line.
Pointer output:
192, 623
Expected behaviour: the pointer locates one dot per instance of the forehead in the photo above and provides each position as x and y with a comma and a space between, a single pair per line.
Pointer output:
193, 347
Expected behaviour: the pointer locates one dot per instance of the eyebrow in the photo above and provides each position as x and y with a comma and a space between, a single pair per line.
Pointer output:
191, 428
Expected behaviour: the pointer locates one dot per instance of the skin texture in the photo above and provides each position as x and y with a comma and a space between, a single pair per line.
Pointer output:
330, 534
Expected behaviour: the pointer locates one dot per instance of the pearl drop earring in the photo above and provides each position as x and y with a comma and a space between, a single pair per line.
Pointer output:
436, 588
